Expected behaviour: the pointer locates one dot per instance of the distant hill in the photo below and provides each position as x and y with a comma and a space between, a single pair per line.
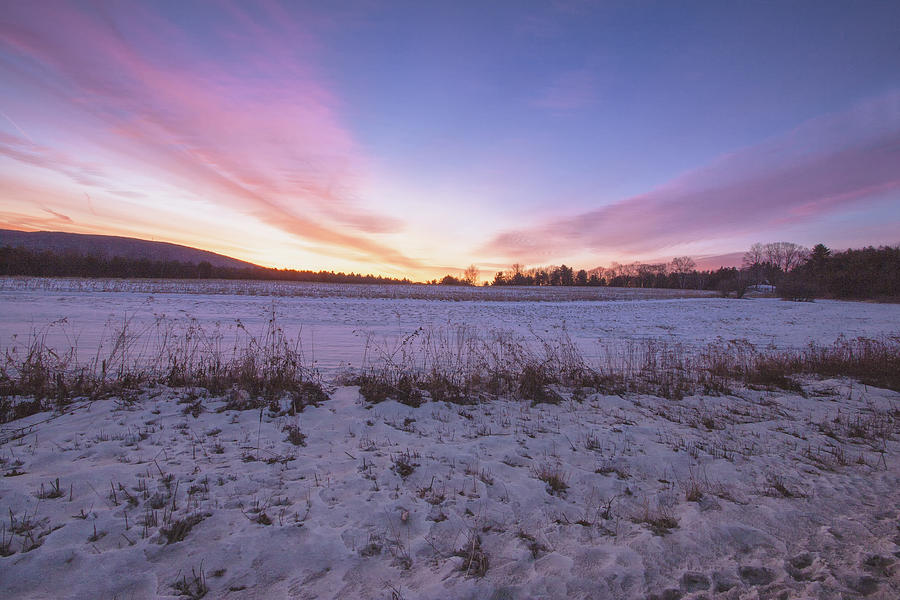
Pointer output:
110, 246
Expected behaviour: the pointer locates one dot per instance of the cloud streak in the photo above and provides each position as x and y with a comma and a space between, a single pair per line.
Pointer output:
28, 152
254, 128
823, 166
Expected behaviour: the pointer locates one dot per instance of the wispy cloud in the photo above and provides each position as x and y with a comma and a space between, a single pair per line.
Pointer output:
825, 165
28, 152
254, 127
59, 216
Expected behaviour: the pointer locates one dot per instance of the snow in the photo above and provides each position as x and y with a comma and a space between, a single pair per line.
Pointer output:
294, 289
757, 494
781, 507
334, 328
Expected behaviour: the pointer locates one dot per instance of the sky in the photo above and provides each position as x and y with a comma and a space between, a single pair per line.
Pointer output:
416, 138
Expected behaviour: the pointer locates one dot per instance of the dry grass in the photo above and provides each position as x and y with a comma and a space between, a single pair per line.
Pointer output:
193, 587
554, 476
294, 435
475, 561
462, 367
258, 369
404, 463
457, 365
658, 519
178, 530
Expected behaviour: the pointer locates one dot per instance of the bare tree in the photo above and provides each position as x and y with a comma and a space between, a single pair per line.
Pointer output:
614, 270
629, 270
682, 266
648, 273
755, 256
644, 271
470, 275
517, 274
754, 261
785, 255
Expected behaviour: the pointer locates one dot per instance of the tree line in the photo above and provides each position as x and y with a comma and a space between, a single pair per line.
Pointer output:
679, 273
791, 270
864, 273
21, 261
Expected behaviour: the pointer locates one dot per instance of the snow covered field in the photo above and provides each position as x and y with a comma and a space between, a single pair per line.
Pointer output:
333, 325
174, 492
293, 289
758, 495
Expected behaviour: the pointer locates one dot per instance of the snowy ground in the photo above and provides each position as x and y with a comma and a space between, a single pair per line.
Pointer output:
334, 328
757, 495
159, 494
295, 289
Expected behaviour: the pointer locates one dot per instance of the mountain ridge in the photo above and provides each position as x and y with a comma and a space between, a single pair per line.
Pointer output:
110, 246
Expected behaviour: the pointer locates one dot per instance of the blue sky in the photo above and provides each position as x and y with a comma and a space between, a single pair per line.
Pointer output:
412, 138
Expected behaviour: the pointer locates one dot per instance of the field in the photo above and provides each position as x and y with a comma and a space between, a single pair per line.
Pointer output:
240, 440
333, 323
290, 289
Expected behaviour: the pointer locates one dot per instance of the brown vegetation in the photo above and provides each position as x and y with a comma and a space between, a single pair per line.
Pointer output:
449, 365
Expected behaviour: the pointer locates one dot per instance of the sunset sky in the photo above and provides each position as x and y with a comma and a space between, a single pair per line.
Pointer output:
415, 138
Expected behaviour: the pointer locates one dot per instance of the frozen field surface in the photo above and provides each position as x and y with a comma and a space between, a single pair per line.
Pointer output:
165, 494
295, 289
174, 492
334, 328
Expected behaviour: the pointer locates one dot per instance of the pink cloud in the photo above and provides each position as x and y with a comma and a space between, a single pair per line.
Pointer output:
255, 128
823, 166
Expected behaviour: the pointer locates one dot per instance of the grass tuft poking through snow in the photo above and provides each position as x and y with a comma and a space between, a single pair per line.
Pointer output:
178, 530
553, 476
